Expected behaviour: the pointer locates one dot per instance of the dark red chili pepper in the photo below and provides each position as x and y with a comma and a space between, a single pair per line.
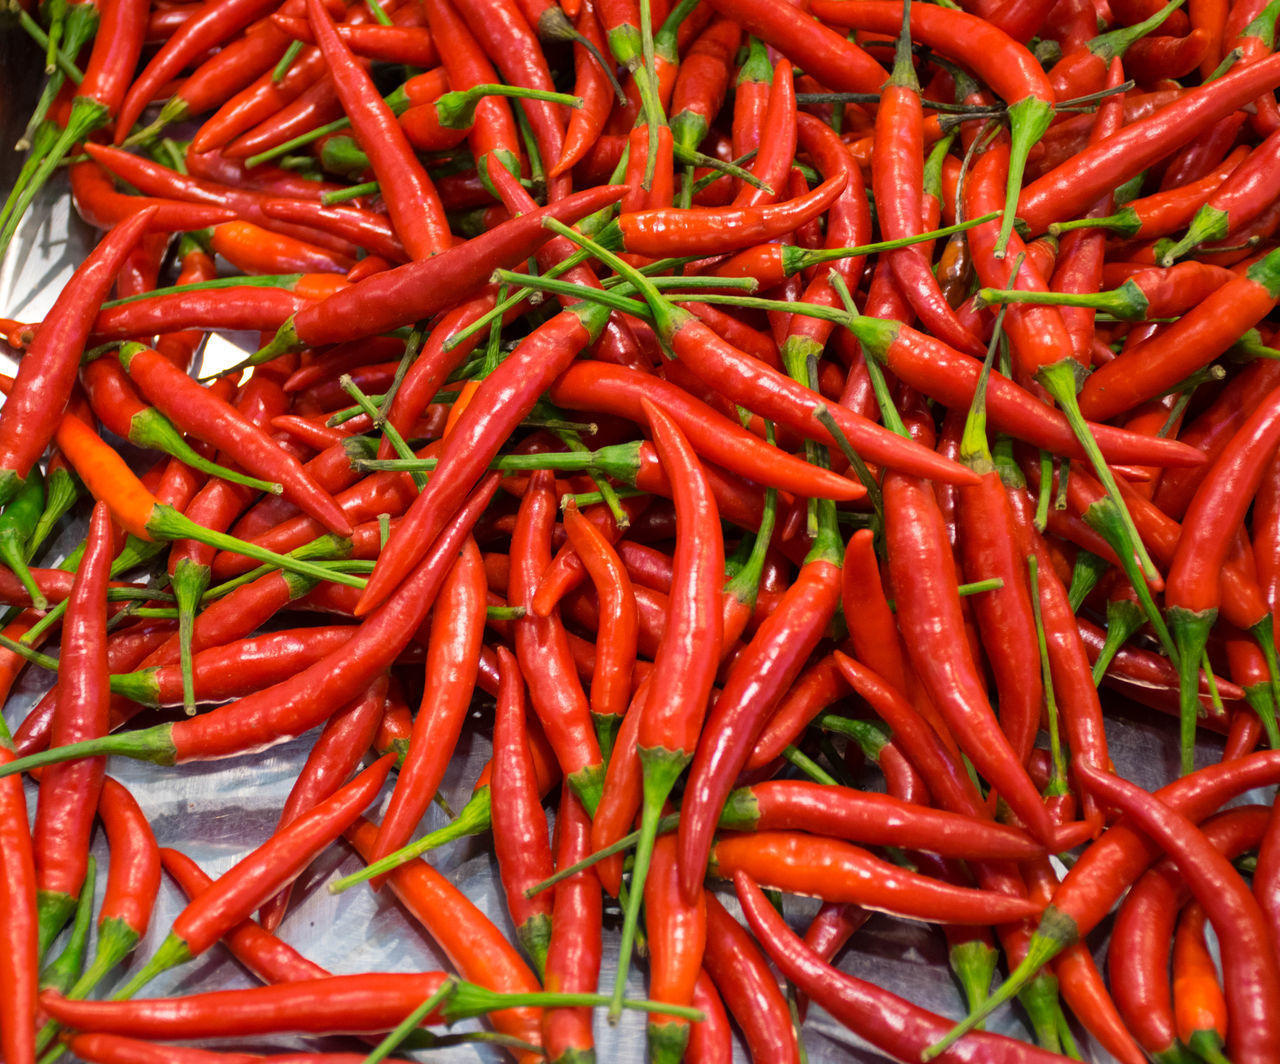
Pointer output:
1108, 867
69, 793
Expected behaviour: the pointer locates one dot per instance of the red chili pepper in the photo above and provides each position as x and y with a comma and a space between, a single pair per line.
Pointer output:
1199, 1004
209, 27
519, 825
883, 1018
20, 963
69, 793
346, 737
260, 874
1251, 972
219, 424
453, 653
28, 418
574, 951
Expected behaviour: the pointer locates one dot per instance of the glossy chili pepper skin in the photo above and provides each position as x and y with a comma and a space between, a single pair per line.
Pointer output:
574, 950
43, 383
1251, 971
457, 631
931, 620
69, 793
19, 967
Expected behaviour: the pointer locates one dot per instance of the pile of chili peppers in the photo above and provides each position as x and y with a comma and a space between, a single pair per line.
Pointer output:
776, 421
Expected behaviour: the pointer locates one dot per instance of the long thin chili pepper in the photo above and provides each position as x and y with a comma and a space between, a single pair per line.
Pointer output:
519, 826
346, 737
685, 667
1251, 972
69, 793
259, 875
19, 965
28, 418
574, 949
457, 630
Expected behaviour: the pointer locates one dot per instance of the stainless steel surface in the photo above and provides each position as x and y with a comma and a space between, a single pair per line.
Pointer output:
218, 812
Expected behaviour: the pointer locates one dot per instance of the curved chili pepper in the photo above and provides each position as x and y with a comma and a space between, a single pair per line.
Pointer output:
411, 45
453, 653
1108, 867
887, 1021
288, 709
43, 383
1251, 972
69, 793
1144, 929
1192, 592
